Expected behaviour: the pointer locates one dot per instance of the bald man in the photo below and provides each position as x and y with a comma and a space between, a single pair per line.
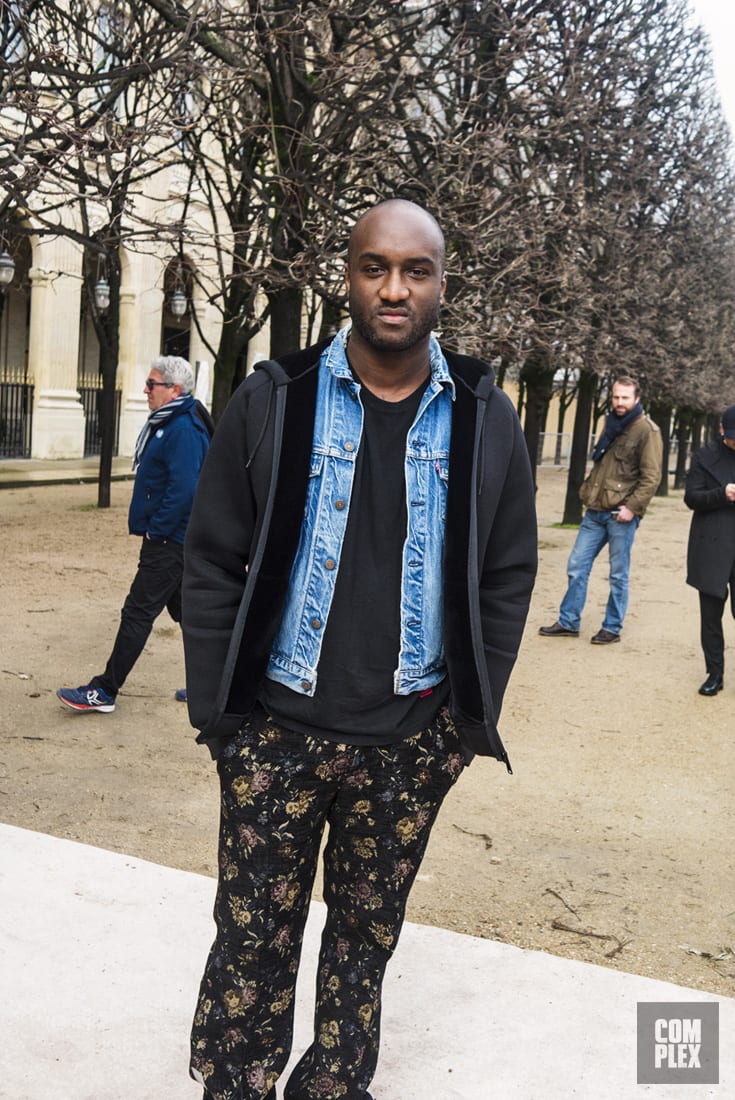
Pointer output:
359, 565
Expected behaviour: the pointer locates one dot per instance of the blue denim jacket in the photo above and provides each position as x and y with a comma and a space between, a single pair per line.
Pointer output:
338, 425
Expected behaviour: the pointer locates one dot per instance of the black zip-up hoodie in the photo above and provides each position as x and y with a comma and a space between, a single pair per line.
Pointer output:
246, 521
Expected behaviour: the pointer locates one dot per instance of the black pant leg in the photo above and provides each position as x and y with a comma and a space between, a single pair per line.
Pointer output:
711, 634
157, 584
379, 826
275, 794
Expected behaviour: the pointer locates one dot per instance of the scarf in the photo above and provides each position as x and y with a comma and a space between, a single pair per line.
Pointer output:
158, 416
614, 425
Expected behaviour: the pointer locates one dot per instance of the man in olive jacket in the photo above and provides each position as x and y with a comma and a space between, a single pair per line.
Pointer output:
626, 471
710, 493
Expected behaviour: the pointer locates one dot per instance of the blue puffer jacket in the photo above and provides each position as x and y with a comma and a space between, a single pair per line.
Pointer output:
167, 476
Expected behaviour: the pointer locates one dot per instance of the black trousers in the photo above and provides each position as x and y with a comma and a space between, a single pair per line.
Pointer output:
157, 585
711, 609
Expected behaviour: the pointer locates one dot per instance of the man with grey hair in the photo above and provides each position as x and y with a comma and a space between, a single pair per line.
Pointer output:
168, 457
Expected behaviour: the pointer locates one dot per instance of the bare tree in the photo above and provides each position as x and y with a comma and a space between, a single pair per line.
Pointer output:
86, 126
288, 145
572, 152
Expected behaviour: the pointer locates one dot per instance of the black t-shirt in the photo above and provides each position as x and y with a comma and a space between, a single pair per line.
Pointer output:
354, 700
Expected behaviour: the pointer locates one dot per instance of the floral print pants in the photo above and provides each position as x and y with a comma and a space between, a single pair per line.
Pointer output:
279, 790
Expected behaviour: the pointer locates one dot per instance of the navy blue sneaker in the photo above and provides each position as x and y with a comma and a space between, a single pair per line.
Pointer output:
180, 695
87, 697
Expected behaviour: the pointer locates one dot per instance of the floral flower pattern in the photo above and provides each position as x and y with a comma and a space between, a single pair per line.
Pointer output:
279, 789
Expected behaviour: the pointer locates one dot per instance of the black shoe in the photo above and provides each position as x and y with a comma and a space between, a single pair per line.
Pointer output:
711, 685
556, 630
604, 637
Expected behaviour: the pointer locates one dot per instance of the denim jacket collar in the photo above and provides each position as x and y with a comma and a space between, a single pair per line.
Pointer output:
337, 362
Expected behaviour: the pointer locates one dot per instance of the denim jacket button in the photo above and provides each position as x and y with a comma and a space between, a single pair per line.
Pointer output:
349, 446
316, 623
339, 505
306, 684
329, 563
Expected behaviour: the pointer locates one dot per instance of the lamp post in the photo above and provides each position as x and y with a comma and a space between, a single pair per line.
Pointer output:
101, 290
177, 303
102, 295
7, 269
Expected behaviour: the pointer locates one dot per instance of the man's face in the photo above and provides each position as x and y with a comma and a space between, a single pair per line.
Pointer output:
395, 277
158, 392
623, 398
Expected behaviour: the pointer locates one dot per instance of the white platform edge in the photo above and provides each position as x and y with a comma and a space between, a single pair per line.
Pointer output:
101, 955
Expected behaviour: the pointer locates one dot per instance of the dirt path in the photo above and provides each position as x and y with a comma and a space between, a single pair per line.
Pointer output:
612, 842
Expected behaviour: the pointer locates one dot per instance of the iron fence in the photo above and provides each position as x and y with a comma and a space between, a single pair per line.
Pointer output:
16, 419
91, 399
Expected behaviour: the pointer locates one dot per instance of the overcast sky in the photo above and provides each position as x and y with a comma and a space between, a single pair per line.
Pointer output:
718, 19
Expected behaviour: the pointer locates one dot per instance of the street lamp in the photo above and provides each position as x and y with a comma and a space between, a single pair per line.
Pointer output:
101, 288
7, 269
102, 294
177, 303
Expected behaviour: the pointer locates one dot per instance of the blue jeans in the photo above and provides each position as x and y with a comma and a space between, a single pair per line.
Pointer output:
596, 530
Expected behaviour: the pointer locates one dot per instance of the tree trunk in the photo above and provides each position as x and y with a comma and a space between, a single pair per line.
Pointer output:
683, 428
661, 415
712, 426
108, 366
505, 362
580, 445
230, 345
697, 432
331, 319
108, 332
285, 315
539, 379
561, 414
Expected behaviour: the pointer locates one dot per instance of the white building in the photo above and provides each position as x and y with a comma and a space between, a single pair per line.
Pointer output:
49, 377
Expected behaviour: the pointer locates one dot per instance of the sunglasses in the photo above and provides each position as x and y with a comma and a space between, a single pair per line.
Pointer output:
149, 384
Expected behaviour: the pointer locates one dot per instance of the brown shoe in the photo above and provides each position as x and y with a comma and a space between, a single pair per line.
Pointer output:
604, 637
556, 630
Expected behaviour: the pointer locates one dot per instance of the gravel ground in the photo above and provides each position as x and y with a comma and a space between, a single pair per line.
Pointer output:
611, 842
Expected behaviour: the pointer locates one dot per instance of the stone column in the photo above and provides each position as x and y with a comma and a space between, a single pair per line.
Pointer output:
56, 286
134, 405
200, 356
141, 305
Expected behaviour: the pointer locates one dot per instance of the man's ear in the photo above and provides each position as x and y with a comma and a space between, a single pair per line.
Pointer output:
347, 276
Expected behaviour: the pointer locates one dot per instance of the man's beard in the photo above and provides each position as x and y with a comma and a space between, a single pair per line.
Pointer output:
418, 329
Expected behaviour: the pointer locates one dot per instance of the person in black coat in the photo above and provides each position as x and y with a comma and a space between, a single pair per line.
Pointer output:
358, 570
710, 493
